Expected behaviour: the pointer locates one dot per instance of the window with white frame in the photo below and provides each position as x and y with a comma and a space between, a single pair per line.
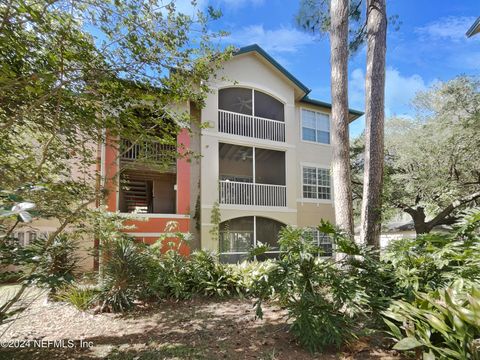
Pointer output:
316, 183
28, 236
315, 126
323, 241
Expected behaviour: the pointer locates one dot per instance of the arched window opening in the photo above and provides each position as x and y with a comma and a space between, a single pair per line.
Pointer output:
250, 102
238, 236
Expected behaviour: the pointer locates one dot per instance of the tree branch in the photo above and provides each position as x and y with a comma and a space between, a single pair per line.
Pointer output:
437, 220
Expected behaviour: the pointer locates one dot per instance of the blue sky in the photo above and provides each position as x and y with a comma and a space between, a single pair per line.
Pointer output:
429, 46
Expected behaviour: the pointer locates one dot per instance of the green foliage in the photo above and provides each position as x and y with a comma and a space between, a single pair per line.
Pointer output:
215, 219
74, 71
432, 261
53, 268
314, 17
437, 279
323, 302
123, 273
172, 275
432, 160
80, 297
444, 323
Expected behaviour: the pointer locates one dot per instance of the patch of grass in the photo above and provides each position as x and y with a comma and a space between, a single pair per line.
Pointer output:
79, 297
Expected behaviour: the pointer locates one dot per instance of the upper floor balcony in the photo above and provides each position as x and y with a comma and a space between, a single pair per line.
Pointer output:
251, 176
251, 113
147, 182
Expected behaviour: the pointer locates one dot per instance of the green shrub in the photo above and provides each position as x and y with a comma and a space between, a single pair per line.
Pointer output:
123, 272
80, 297
320, 298
432, 261
171, 275
212, 278
55, 267
444, 323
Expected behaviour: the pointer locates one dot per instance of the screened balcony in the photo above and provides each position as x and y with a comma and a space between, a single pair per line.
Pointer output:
250, 113
238, 236
251, 176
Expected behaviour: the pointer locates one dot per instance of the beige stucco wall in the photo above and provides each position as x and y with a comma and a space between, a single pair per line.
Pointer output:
311, 154
252, 71
84, 243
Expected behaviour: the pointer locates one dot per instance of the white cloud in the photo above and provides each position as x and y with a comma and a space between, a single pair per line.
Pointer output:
282, 40
399, 90
447, 28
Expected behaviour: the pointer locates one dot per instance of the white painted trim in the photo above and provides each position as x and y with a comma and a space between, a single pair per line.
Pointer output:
318, 165
157, 216
315, 201
250, 208
329, 126
248, 141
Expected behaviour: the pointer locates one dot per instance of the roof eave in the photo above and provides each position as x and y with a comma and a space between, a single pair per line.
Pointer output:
474, 29
256, 48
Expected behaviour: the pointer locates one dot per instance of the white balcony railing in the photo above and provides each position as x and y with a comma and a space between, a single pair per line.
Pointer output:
251, 126
243, 193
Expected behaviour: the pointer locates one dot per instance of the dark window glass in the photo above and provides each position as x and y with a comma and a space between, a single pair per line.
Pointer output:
269, 167
236, 235
235, 162
267, 232
238, 100
268, 107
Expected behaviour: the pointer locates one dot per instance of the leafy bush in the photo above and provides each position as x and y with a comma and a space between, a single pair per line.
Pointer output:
169, 277
123, 272
363, 265
80, 297
172, 275
211, 278
55, 267
322, 301
438, 312
434, 260
444, 323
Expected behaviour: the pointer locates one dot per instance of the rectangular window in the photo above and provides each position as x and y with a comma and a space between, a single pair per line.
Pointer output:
315, 126
316, 183
323, 241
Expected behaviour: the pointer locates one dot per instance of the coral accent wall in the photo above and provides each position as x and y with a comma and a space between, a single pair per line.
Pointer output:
155, 224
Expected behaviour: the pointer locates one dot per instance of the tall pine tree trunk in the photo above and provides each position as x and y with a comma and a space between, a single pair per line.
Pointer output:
342, 191
374, 122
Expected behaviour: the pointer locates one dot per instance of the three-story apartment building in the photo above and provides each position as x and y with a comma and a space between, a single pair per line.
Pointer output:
264, 163
265, 156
